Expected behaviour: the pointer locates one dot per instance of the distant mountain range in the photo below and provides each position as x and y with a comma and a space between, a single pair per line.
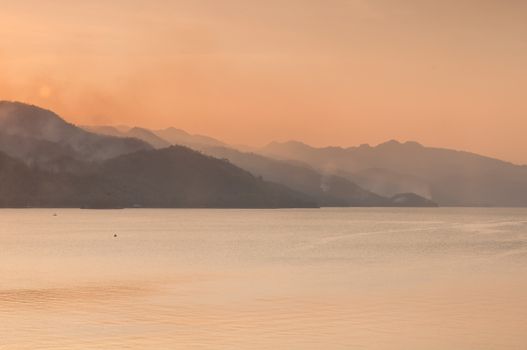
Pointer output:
46, 161
366, 175
325, 189
158, 138
449, 178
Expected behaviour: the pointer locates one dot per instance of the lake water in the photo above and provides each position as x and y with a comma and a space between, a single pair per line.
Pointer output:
408, 279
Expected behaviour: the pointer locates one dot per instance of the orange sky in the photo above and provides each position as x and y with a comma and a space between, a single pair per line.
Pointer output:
450, 73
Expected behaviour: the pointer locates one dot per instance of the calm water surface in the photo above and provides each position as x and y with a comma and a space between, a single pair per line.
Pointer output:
426, 279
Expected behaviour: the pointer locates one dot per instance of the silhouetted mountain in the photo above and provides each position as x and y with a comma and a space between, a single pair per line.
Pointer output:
36, 126
24, 186
106, 130
386, 175
145, 135
148, 136
47, 162
46, 155
181, 137
172, 177
17, 182
448, 177
33, 150
180, 177
389, 183
159, 138
328, 190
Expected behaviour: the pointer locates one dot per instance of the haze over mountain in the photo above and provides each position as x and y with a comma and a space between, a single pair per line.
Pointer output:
33, 133
180, 177
450, 178
145, 135
390, 174
174, 177
181, 137
327, 189
117, 172
447, 177
158, 138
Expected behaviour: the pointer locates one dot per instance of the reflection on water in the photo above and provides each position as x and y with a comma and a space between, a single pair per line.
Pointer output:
248, 279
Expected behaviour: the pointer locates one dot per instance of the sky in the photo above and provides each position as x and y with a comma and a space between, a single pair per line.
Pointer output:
446, 73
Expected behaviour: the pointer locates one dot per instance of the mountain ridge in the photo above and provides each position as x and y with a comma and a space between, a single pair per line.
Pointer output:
34, 123
451, 177
387, 170
328, 190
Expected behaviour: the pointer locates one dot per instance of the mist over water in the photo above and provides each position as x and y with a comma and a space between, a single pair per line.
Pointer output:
258, 279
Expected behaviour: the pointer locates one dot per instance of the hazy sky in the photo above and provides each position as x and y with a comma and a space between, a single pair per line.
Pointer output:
449, 73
